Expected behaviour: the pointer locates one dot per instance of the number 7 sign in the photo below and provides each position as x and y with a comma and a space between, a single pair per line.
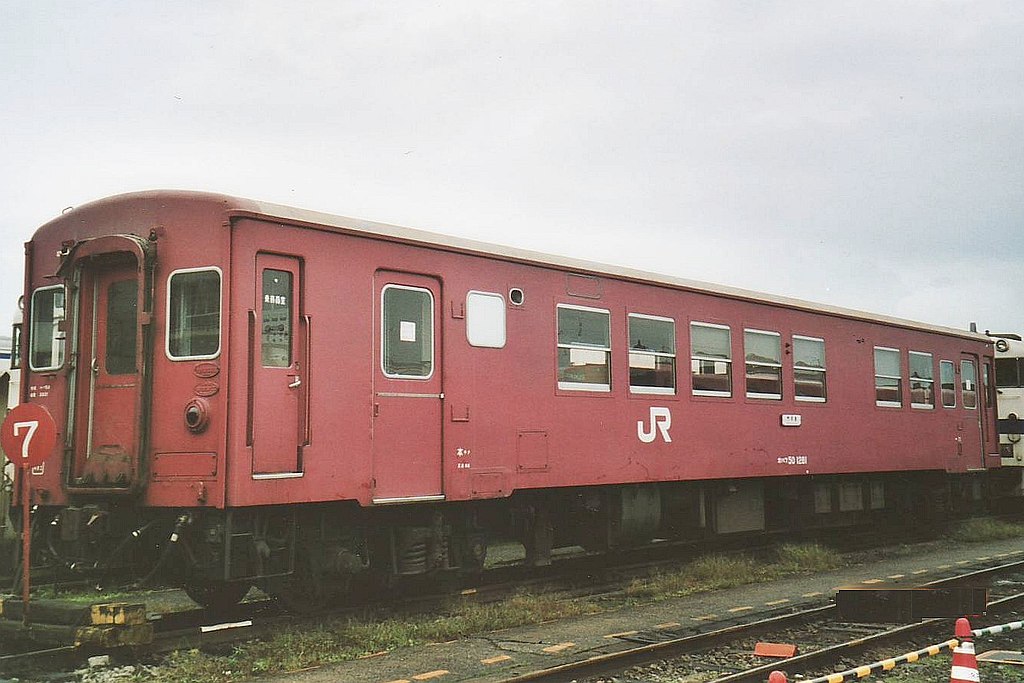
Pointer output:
28, 435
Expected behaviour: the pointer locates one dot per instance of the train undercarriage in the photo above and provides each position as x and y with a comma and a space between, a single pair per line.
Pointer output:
309, 556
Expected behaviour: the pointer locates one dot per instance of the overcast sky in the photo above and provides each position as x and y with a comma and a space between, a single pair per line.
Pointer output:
861, 154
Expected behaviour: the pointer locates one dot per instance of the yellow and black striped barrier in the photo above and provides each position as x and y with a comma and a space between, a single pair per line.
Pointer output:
908, 658
887, 664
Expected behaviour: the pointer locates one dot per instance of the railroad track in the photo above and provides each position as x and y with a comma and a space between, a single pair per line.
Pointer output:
726, 655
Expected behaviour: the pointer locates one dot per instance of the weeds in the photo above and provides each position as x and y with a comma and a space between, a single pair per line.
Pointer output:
344, 639
714, 572
981, 530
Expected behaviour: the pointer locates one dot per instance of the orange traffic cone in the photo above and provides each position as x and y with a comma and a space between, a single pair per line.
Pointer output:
777, 677
965, 664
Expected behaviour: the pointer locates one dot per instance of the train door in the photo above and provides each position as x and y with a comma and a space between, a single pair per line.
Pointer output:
407, 388
974, 403
278, 363
106, 419
989, 430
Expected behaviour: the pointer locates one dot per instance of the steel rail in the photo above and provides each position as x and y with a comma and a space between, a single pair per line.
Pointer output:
614, 662
831, 653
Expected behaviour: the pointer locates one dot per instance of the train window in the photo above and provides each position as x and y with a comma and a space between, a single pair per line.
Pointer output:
122, 298
968, 384
46, 340
276, 327
809, 369
652, 354
711, 359
408, 332
193, 314
922, 380
1008, 372
947, 378
986, 383
888, 380
584, 348
16, 347
763, 354
485, 320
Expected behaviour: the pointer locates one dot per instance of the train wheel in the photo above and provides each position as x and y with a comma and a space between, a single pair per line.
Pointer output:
217, 595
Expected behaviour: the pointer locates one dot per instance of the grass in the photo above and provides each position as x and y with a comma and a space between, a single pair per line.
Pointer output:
340, 640
982, 530
85, 596
715, 572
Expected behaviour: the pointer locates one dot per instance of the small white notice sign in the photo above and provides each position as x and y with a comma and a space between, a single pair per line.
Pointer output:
407, 331
790, 420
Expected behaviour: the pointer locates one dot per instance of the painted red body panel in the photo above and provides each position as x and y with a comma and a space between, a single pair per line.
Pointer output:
487, 421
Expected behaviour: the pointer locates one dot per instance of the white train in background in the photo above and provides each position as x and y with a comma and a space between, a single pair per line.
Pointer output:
1010, 385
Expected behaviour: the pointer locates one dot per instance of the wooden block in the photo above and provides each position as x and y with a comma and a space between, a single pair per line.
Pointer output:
114, 636
118, 614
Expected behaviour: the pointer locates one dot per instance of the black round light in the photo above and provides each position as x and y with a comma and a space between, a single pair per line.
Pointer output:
197, 415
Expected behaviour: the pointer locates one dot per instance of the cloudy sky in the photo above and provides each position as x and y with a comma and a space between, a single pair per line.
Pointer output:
861, 154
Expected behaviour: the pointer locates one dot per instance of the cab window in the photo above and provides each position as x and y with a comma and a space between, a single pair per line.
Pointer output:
46, 339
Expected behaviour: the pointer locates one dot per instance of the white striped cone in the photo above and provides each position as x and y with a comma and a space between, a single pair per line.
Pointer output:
965, 664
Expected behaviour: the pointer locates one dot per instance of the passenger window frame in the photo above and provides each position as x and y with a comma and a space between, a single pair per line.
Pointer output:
646, 389
220, 314
899, 378
588, 387
823, 370
695, 358
777, 365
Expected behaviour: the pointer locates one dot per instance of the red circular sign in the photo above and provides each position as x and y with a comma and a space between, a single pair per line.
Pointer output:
28, 435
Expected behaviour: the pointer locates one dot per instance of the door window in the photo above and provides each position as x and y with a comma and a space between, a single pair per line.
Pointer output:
407, 335
947, 377
276, 335
122, 298
968, 384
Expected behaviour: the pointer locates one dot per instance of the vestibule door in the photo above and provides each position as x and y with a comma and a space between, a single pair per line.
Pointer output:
407, 388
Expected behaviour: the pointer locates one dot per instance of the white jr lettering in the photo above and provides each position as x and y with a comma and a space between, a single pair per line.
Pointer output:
661, 420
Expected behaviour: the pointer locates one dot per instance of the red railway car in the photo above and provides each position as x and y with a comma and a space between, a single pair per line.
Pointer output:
306, 400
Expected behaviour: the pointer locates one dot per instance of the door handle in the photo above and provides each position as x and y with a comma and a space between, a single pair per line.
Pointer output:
296, 383
95, 366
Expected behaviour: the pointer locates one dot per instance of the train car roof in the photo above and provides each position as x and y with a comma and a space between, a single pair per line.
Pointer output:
235, 206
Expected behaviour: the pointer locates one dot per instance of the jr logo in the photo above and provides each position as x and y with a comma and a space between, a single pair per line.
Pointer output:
661, 420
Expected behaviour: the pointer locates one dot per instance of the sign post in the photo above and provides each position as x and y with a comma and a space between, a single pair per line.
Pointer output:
28, 435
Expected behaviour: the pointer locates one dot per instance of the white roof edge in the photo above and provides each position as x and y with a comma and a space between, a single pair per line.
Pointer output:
427, 238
